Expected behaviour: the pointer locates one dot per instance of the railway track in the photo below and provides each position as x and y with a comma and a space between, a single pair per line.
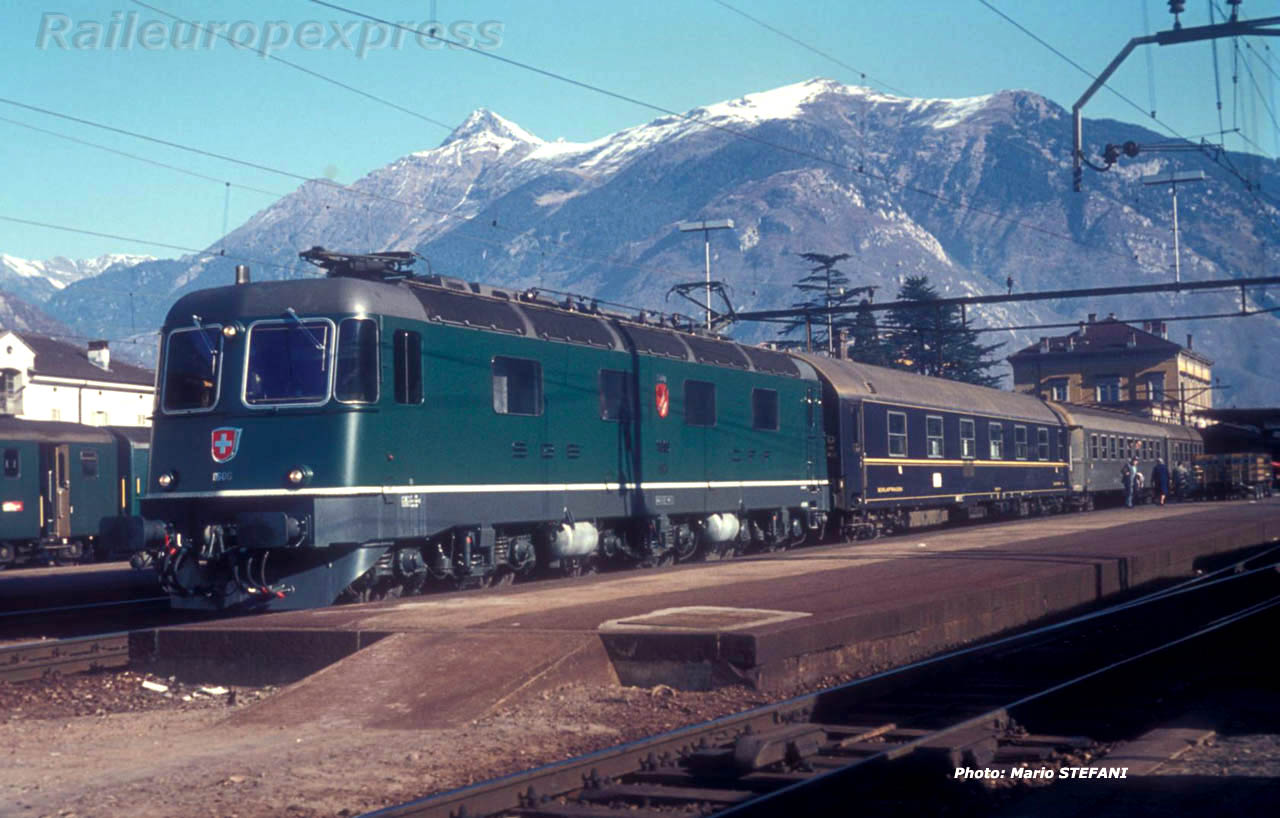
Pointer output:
36, 660
962, 710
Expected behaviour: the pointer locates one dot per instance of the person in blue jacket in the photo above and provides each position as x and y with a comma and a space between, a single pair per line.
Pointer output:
1160, 479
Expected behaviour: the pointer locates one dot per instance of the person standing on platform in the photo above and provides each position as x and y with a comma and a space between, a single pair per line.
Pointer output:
1160, 479
1132, 479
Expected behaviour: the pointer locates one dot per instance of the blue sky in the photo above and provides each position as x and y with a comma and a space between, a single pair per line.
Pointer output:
677, 55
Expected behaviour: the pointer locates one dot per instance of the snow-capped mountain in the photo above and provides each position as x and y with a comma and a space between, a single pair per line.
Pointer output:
36, 281
966, 191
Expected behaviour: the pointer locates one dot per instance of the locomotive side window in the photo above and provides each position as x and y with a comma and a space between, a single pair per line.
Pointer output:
517, 386
288, 363
1020, 442
764, 409
997, 441
897, 434
191, 362
699, 403
1042, 443
89, 463
407, 359
933, 436
615, 395
968, 438
356, 371
12, 463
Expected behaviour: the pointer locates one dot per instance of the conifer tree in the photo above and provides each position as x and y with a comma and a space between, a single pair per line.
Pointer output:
824, 286
932, 340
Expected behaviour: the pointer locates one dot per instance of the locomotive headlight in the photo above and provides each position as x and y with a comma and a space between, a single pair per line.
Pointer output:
299, 476
167, 480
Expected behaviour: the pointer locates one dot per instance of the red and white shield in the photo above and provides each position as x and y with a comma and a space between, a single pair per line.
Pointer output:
225, 443
662, 399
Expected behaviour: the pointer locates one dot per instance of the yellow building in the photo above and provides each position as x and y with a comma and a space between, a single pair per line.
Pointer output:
1114, 364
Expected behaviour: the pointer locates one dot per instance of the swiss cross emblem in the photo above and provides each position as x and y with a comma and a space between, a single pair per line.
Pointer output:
225, 444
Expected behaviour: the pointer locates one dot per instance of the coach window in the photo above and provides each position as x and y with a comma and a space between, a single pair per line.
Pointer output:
897, 434
1020, 442
12, 463
933, 436
996, 432
968, 439
764, 409
1093, 447
89, 463
1112, 449
615, 394
406, 359
1042, 443
357, 369
699, 403
517, 386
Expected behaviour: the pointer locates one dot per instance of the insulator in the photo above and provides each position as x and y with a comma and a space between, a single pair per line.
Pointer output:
1177, 6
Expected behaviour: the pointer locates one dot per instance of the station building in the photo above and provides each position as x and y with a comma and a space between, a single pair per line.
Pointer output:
42, 378
1115, 365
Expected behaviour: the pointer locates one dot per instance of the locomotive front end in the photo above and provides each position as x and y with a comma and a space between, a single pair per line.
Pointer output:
256, 496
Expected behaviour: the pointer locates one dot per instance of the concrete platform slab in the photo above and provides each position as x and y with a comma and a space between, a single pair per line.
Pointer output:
770, 622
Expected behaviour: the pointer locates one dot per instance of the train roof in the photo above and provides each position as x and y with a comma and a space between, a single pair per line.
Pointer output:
859, 381
51, 431
136, 435
1109, 420
481, 307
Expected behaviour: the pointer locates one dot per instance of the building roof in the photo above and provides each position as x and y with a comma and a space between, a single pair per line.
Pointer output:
58, 359
1108, 335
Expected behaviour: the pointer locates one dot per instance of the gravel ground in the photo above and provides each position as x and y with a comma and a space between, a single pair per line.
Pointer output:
102, 744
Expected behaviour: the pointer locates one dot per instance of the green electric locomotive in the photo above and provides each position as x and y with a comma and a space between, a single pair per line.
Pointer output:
360, 435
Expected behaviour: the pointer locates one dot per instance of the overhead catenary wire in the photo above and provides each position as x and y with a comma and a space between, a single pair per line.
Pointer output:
863, 74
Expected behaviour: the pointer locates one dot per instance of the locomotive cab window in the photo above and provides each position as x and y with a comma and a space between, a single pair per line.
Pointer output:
615, 395
517, 386
1020, 442
996, 432
12, 463
934, 442
1042, 443
406, 358
89, 463
192, 359
288, 363
356, 372
968, 439
764, 409
699, 403
897, 434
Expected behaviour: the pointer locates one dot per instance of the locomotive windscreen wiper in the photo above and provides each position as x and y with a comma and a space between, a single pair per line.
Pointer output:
319, 346
208, 347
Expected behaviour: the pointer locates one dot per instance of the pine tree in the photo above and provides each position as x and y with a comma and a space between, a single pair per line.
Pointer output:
932, 340
866, 343
824, 286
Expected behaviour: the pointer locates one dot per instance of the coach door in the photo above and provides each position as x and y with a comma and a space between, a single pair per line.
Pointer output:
57, 491
815, 442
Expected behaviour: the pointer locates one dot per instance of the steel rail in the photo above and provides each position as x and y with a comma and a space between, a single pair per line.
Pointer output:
62, 657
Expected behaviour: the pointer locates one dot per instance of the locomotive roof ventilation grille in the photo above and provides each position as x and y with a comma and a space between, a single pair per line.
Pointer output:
709, 351
657, 342
468, 311
561, 325
775, 363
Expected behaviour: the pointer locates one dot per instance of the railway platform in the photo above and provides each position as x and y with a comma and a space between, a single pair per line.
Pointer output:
774, 622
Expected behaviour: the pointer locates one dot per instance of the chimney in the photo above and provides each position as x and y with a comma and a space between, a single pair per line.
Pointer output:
1133, 340
100, 355
1147, 327
1093, 316
1044, 344
1164, 330
1071, 343
1188, 340
242, 274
